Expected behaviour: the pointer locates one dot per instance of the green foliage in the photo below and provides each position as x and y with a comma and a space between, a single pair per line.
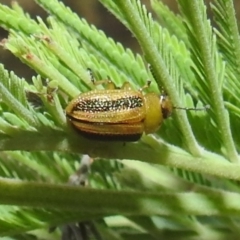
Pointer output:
182, 183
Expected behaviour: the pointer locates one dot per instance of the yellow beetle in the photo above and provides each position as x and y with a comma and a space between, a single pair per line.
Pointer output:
118, 114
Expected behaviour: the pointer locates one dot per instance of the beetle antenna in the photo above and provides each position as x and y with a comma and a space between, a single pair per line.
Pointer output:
163, 93
204, 108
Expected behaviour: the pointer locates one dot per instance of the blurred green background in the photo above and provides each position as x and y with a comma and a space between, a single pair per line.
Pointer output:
95, 14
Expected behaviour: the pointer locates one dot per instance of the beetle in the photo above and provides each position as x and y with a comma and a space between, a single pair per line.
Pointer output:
120, 114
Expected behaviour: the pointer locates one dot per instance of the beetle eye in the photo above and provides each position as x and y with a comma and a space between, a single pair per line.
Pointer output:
166, 106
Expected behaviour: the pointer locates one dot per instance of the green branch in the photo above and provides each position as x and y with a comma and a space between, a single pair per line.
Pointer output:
209, 58
108, 202
150, 151
160, 69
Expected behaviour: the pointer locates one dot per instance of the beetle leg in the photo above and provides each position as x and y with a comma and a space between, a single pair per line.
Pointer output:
90, 72
126, 86
109, 83
145, 86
